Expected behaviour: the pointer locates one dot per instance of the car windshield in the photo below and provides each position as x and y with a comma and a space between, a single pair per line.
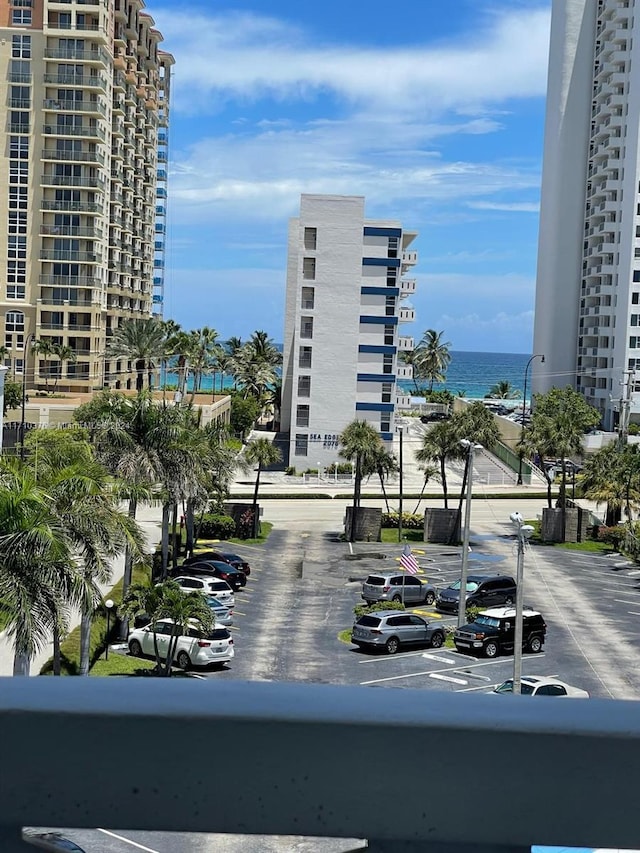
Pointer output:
472, 586
507, 687
215, 604
489, 621
218, 634
375, 580
369, 621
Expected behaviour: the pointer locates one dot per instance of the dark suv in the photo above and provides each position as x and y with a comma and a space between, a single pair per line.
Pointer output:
482, 591
493, 632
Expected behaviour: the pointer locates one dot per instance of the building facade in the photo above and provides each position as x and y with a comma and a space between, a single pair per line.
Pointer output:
344, 310
587, 321
82, 192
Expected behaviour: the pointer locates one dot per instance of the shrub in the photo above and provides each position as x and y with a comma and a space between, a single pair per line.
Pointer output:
290, 470
409, 520
614, 536
340, 468
634, 429
216, 527
245, 525
362, 609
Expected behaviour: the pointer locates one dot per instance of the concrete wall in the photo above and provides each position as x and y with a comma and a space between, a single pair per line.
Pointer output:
442, 525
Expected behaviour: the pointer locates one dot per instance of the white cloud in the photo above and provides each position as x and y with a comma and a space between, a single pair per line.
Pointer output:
510, 207
249, 56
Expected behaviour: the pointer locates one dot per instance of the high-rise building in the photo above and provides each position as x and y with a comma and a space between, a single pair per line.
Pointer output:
344, 308
82, 183
587, 321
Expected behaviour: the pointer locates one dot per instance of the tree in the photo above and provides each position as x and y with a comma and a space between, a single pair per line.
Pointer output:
432, 357
63, 353
12, 395
263, 453
244, 413
167, 601
201, 355
384, 464
430, 472
503, 390
411, 358
440, 444
612, 476
45, 349
142, 341
359, 442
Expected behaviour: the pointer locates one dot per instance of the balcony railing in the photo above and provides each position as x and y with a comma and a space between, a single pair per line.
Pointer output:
70, 255
73, 130
72, 206
74, 106
72, 181
73, 156
70, 281
71, 231
87, 81
305, 781
78, 55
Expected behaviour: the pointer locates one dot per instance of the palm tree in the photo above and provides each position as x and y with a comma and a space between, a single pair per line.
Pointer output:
262, 349
384, 464
224, 366
167, 601
359, 442
201, 353
503, 390
142, 341
412, 359
64, 353
432, 357
45, 349
610, 476
431, 472
263, 453
440, 444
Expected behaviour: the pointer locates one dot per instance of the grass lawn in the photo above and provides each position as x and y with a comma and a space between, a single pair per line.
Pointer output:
210, 544
345, 636
592, 546
120, 665
390, 535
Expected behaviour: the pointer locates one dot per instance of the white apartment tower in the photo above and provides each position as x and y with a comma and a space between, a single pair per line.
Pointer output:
587, 321
82, 184
344, 309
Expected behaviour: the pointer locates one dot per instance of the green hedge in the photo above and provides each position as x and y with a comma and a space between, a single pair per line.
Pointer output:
410, 521
70, 646
216, 527
362, 609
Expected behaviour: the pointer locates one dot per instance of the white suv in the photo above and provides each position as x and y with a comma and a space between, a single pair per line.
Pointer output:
195, 648
210, 586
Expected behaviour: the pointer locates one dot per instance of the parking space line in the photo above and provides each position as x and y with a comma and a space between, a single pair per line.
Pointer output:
401, 656
237, 613
633, 612
487, 687
428, 672
435, 657
427, 613
620, 601
448, 678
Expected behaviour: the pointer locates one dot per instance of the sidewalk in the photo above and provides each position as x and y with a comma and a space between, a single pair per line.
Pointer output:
149, 519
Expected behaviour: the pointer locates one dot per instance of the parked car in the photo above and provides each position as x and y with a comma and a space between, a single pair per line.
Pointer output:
433, 417
194, 648
493, 632
390, 629
51, 841
214, 568
220, 557
482, 591
542, 685
397, 586
223, 615
210, 586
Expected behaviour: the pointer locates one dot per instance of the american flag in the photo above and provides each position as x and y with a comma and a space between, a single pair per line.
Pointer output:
408, 561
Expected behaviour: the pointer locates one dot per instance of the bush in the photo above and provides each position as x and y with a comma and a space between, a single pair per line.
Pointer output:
614, 536
245, 529
340, 468
362, 609
216, 527
290, 470
409, 520
634, 429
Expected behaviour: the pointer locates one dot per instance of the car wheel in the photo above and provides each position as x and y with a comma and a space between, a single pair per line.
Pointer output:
397, 598
437, 640
429, 598
508, 601
183, 660
535, 645
392, 646
135, 649
491, 649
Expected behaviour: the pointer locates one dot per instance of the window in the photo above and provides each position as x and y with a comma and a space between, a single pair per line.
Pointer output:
14, 330
385, 423
304, 386
310, 238
17, 222
392, 275
18, 172
302, 444
308, 268
19, 121
392, 252
16, 246
636, 275
20, 97
17, 272
20, 71
306, 327
18, 365
387, 364
302, 416
21, 17
635, 298
18, 198
19, 147
16, 291
387, 389
304, 357
21, 47
389, 332
389, 306
634, 342
308, 298
633, 320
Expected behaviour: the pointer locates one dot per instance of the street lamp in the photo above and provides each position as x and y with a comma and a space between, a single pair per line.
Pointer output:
108, 606
462, 601
30, 338
524, 409
400, 501
524, 533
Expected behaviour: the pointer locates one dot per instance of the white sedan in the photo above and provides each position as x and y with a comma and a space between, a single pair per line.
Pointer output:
209, 586
195, 648
541, 685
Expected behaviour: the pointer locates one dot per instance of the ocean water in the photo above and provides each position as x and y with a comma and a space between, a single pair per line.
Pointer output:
470, 373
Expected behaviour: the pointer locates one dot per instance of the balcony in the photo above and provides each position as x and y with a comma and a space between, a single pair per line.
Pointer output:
78, 55
409, 259
73, 156
72, 206
406, 315
72, 181
405, 344
73, 130
73, 106
407, 286
70, 255
86, 81
404, 371
303, 783
403, 401
71, 231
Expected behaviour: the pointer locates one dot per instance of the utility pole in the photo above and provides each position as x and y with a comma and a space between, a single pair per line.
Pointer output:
625, 406
524, 532
400, 502
462, 601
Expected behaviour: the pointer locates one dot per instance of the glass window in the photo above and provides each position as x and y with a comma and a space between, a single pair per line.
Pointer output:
304, 386
304, 357
310, 238
302, 416
16, 291
302, 445
21, 17
306, 327
307, 301
309, 268
387, 364
21, 47
389, 334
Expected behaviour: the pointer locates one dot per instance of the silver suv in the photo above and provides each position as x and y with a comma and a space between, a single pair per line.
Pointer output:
390, 629
397, 586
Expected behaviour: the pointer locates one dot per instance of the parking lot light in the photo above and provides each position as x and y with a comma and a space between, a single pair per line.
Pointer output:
524, 533
462, 601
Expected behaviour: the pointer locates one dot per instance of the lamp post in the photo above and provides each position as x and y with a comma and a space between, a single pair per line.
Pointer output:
108, 606
524, 409
400, 502
524, 533
29, 339
462, 601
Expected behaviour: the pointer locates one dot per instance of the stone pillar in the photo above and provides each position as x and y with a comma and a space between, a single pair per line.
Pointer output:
367, 523
442, 526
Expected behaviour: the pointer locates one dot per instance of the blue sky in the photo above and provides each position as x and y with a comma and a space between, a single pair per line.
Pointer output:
433, 111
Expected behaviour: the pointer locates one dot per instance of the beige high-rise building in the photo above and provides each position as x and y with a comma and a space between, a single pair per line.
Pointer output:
82, 184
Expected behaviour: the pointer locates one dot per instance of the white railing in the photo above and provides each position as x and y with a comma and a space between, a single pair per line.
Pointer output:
305, 760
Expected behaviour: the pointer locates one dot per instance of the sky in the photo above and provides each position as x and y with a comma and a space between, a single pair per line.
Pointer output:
433, 111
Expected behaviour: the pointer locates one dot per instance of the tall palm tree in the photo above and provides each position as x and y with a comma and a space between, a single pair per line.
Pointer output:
224, 366
384, 464
45, 349
611, 476
63, 353
359, 443
262, 348
430, 472
201, 355
440, 444
432, 357
263, 453
412, 359
142, 341
503, 390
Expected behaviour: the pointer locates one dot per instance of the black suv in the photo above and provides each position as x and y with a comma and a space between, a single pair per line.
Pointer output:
482, 591
493, 632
